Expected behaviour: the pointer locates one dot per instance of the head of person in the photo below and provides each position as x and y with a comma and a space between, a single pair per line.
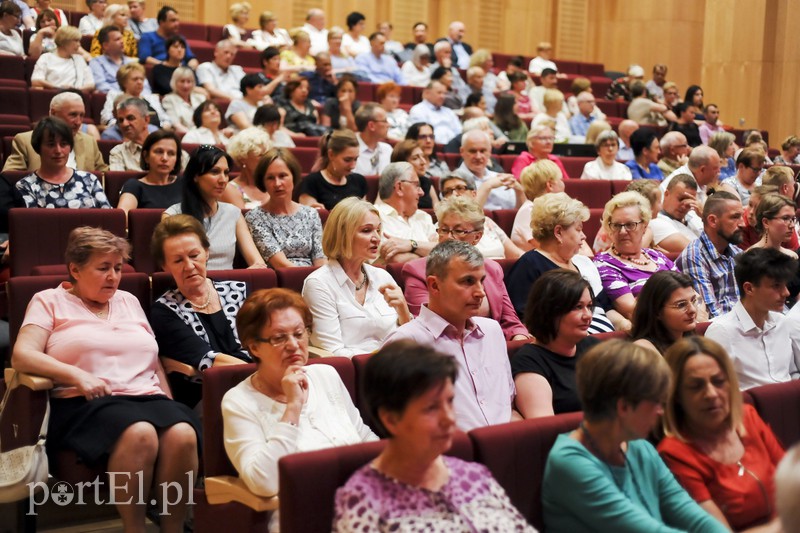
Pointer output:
169, 23
69, 106
335, 36
301, 42
352, 231
553, 101
787, 490
224, 53
775, 218
97, 7
421, 56
515, 64
541, 177
750, 164
408, 389
626, 129
110, 39
267, 21
161, 153
607, 144
399, 187
420, 32
136, 8
176, 48
635, 73
442, 51
505, 115
183, 83
388, 96
723, 217
435, 93
460, 218
180, 247
274, 326
323, 64
131, 78
638, 89
204, 180
704, 164
316, 18
540, 141
694, 96
278, 173
680, 195
47, 19
651, 191
674, 145
704, 398
240, 12
518, 80
581, 84
625, 220
544, 50
338, 152
671, 95
355, 22
755, 198
645, 145
482, 57
271, 60
685, 112
454, 273
248, 147
444, 76
711, 113
762, 275
666, 309
409, 150
585, 102
621, 382
660, 74
781, 177
94, 260
207, 115
594, 130
475, 77
377, 43
557, 219
118, 15
453, 185
549, 78
560, 307
253, 86
456, 30
68, 40
476, 150
52, 139
790, 147
268, 117
423, 133
296, 90
347, 86
724, 143
133, 116
371, 121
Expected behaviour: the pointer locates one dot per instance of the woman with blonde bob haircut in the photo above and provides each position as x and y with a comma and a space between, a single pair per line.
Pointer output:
717, 447
538, 178
355, 305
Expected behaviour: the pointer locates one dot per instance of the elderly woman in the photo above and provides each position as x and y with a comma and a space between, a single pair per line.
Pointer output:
553, 105
354, 42
717, 446
237, 32
90, 23
285, 406
160, 187
409, 394
790, 149
538, 178
627, 265
65, 68
10, 36
131, 78
665, 312
606, 166
483, 58
540, 144
246, 148
164, 71
54, 184
117, 15
181, 104
287, 234
417, 70
298, 57
652, 192
462, 219
355, 305
388, 96
724, 143
557, 224
411, 152
335, 179
506, 118
775, 222
340, 112
422, 132
558, 314
605, 476
207, 120
111, 401
269, 34
204, 182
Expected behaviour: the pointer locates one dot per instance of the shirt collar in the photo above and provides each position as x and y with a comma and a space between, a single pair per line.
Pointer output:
442, 328
746, 320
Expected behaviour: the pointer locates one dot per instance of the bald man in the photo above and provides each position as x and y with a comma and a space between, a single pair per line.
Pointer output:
461, 50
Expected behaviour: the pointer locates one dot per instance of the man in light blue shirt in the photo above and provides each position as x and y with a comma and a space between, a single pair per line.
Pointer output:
104, 67
579, 123
444, 121
376, 65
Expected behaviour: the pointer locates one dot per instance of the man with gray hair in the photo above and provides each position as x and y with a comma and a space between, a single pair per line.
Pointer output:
460, 51
85, 154
315, 27
373, 127
704, 164
579, 123
132, 119
408, 231
674, 152
450, 322
495, 190
221, 78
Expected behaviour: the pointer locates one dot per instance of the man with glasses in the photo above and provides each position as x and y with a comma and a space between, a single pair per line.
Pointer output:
709, 260
579, 124
408, 232
749, 166
373, 127
674, 152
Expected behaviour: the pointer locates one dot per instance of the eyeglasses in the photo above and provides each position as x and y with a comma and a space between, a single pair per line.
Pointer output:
629, 226
757, 170
280, 340
460, 189
683, 305
415, 184
425, 137
788, 219
456, 232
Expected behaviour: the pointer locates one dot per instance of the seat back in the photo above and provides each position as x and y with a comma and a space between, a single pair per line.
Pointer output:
293, 278
114, 180
256, 279
505, 219
779, 405
141, 223
593, 193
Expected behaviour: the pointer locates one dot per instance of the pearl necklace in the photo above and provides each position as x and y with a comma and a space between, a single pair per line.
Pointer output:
641, 262
207, 302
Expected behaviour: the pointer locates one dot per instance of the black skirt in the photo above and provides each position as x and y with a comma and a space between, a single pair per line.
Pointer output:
92, 428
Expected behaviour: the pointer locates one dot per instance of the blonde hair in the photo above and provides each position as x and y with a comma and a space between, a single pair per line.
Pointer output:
65, 34
126, 70
626, 199
341, 226
238, 8
298, 34
535, 177
248, 141
479, 57
596, 128
112, 11
463, 207
555, 209
552, 96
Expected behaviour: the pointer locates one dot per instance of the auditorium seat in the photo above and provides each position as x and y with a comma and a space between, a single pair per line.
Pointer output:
779, 405
618, 186
359, 363
593, 193
505, 219
194, 31
592, 226
366, 92
702, 327
215, 33
98, 100
105, 148
12, 67
396, 269
293, 278
574, 166
506, 264
372, 187
609, 107
14, 101
256, 279
306, 157
61, 270
113, 180
307, 142
141, 223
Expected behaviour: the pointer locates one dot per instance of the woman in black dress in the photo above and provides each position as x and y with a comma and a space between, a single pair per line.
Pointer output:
160, 187
335, 181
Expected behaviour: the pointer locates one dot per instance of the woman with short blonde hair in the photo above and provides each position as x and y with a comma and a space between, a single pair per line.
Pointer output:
237, 32
538, 178
540, 146
553, 101
246, 148
65, 67
269, 34
117, 15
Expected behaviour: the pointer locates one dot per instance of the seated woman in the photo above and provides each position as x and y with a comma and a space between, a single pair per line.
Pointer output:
111, 401
558, 315
717, 446
409, 393
246, 148
627, 265
285, 406
286, 233
180, 104
54, 184
240, 112
335, 179
506, 118
40, 6
340, 112
557, 223
271, 69
237, 32
724, 143
117, 15
422, 132
207, 120
268, 117
417, 70
790, 148
651, 190
540, 145
92, 21
301, 118
43, 41
355, 305
519, 85
204, 182
388, 96
538, 178
10, 36
775, 221
461, 218
131, 78
163, 72
65, 68
665, 312
194, 323
605, 476
553, 112
298, 58
410, 151
606, 166
269, 34
160, 187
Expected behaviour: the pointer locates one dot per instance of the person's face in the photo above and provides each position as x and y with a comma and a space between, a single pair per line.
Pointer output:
457, 32
542, 144
343, 163
608, 151
712, 114
697, 99
367, 238
444, 51
135, 83
274, 64
730, 150
749, 174
652, 152
678, 202
781, 227
436, 94
475, 152
391, 101
242, 18
573, 326
99, 278
586, 105
420, 34
162, 157
347, 91
212, 184
545, 53
681, 148
418, 161
48, 22
72, 46
10, 21
426, 140
211, 116
114, 46
408, 193
278, 180
171, 24
550, 81
447, 80
679, 314
704, 394
177, 51
628, 241
300, 94
358, 28
131, 123
642, 418
689, 114
334, 45
768, 295
379, 123
454, 227
185, 260
671, 96
317, 21
251, 160
270, 25
285, 326
55, 151
731, 222
571, 238
660, 77
459, 294
223, 56
488, 65
98, 8
456, 187
136, 9
303, 46
476, 82
121, 19
709, 172
324, 67
378, 44
72, 113
185, 85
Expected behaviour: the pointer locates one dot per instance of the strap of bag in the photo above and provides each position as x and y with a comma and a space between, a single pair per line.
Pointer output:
45, 419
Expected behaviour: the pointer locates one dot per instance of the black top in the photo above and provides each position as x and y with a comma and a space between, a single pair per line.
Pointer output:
690, 131
329, 194
220, 334
162, 74
331, 109
425, 201
559, 371
154, 196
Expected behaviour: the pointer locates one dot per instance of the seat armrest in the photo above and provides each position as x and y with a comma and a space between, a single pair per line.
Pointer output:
314, 351
36, 383
173, 366
226, 489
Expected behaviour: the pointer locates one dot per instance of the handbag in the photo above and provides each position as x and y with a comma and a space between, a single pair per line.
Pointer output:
23, 465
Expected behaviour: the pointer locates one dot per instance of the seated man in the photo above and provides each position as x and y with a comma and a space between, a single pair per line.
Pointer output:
104, 67
579, 123
712, 123
431, 110
153, 45
506, 192
321, 81
646, 150
655, 87
449, 322
376, 65
620, 89
409, 232
671, 231
626, 129
754, 332
132, 119
374, 154
112, 132
85, 154
674, 152
221, 78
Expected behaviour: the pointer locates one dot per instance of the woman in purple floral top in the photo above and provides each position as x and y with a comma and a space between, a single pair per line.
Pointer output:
411, 486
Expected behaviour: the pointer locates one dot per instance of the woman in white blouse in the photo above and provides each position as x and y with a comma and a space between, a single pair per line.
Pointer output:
417, 70
606, 166
355, 305
93, 21
65, 68
269, 34
237, 32
207, 119
10, 37
354, 42
180, 104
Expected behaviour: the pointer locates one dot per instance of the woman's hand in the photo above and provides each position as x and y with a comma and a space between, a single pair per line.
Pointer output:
394, 297
89, 386
295, 386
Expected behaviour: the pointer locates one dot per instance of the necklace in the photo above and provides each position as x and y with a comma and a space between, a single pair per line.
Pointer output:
102, 313
207, 302
644, 261
360, 286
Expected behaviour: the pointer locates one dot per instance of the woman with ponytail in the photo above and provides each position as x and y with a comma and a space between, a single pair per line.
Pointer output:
333, 179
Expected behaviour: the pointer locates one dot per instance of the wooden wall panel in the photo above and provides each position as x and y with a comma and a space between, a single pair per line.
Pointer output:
572, 21
525, 24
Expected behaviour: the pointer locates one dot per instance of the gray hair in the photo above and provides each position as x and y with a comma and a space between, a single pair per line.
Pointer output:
608, 135
439, 259
393, 173
419, 51
439, 46
62, 98
475, 135
477, 123
701, 155
137, 103
178, 74
670, 139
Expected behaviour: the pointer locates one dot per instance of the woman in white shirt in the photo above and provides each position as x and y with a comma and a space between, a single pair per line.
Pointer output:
93, 21
355, 305
207, 119
606, 166
181, 103
553, 104
65, 68
354, 42
10, 37
417, 70
269, 34
237, 32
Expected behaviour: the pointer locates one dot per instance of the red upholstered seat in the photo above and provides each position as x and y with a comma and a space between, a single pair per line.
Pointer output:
506, 264
256, 279
622, 335
702, 327
293, 278
372, 187
395, 269
141, 223
113, 180
306, 157
779, 406
61, 270
306, 142
14, 100
593, 193
574, 166
618, 186
505, 219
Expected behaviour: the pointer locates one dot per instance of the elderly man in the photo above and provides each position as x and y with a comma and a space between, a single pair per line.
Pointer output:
432, 111
132, 119
749, 166
372, 127
221, 78
495, 190
450, 322
408, 232
443, 53
138, 23
315, 27
376, 65
85, 154
671, 231
579, 124
712, 124
674, 152
153, 45
656, 86
104, 67
460, 51
626, 129
620, 89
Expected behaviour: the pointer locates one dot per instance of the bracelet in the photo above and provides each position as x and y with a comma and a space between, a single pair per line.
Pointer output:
414, 245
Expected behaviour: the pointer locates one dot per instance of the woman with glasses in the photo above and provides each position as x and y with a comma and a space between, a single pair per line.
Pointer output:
286, 406
355, 305
606, 166
410, 151
540, 145
422, 132
775, 222
665, 311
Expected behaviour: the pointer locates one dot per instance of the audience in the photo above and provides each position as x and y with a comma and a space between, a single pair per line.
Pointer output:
543, 59
241, 111
417, 70
666, 310
182, 103
506, 118
132, 82
626, 129
372, 125
685, 123
339, 111
645, 111
207, 120
711, 125
116, 15
321, 80
580, 121
650, 190
674, 152
64, 68
298, 57
176, 57
10, 36
105, 66
132, 119
725, 145
300, 116
377, 66
423, 133
655, 87
315, 28
138, 23
91, 23
552, 115
237, 33
334, 180
790, 150
160, 187
410, 152
460, 50
504, 192
388, 96
749, 166
606, 166
775, 222
246, 148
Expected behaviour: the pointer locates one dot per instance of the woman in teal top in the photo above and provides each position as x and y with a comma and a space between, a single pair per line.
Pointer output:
604, 476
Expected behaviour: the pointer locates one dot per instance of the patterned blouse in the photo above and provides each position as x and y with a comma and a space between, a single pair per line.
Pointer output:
620, 278
298, 236
471, 500
82, 190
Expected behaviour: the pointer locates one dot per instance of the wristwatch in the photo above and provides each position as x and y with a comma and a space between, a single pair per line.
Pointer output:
414, 245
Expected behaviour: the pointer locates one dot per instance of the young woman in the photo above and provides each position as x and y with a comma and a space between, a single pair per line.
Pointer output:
335, 179
160, 187
665, 311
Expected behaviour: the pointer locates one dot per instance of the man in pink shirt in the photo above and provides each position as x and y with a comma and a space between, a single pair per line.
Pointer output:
449, 322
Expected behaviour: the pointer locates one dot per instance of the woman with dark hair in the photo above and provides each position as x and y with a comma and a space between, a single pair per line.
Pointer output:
507, 120
268, 117
10, 36
207, 120
776, 220
176, 57
410, 397
445, 77
335, 179
204, 182
558, 315
340, 112
241, 111
42, 41
694, 97
411, 152
422, 132
160, 187
354, 42
286, 233
301, 117
665, 311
